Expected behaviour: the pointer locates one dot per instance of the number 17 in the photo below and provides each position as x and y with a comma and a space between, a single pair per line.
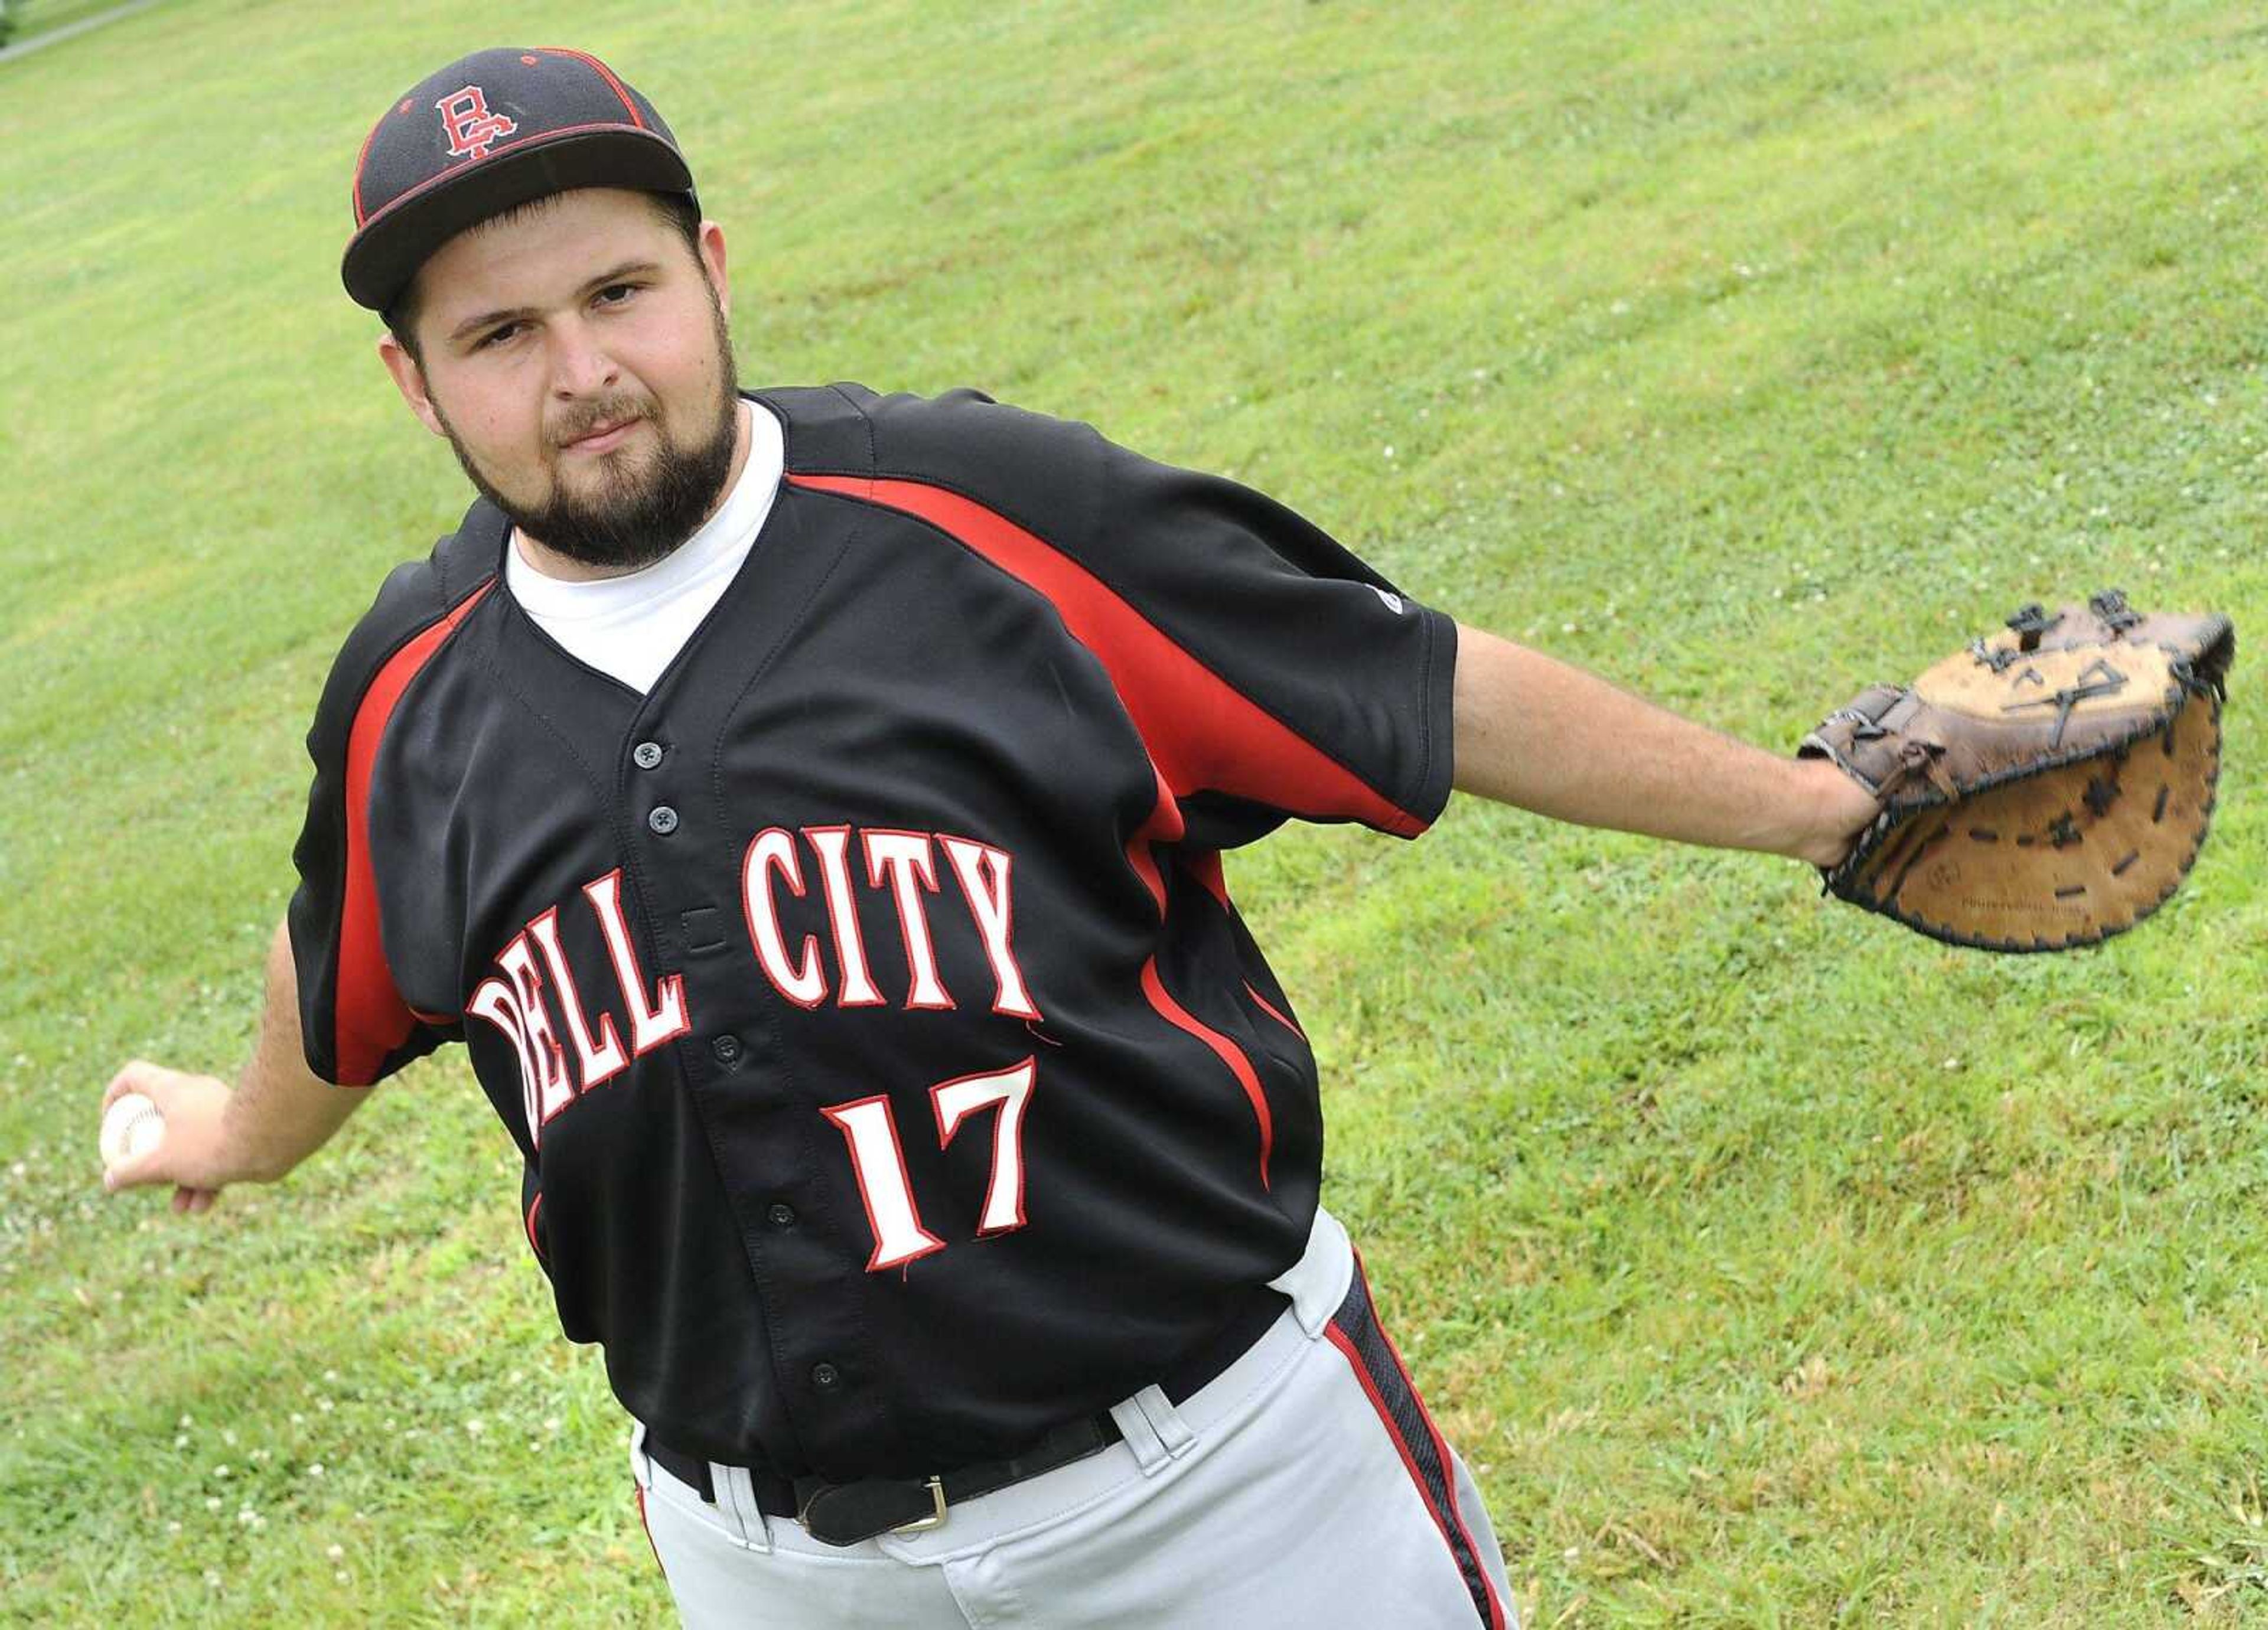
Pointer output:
879, 1160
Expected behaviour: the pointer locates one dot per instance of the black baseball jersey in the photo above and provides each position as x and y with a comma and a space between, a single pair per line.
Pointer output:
893, 1075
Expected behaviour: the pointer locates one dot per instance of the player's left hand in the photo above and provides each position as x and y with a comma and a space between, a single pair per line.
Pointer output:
1843, 810
2022, 812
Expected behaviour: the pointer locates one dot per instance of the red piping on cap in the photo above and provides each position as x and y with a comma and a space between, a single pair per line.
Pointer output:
354, 196
604, 73
399, 199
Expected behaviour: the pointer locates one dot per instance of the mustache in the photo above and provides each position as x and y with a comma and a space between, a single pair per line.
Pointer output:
620, 412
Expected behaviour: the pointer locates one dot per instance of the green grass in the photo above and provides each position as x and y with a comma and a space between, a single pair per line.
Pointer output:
34, 17
1773, 1266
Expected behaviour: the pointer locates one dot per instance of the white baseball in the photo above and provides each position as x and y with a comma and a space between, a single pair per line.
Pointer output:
131, 1127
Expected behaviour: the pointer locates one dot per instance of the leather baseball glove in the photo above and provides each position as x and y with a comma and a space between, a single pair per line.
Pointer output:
2045, 788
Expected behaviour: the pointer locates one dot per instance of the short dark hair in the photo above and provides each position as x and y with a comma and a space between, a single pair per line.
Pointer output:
677, 210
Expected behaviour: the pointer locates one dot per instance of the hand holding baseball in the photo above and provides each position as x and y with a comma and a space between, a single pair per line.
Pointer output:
161, 1126
131, 1127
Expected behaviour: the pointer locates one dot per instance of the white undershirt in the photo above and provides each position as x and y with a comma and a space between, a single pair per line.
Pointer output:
631, 626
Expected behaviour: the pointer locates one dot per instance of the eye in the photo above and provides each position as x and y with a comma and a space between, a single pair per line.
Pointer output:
625, 290
495, 335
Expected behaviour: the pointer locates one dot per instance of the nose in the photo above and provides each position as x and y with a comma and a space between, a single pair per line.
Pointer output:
580, 362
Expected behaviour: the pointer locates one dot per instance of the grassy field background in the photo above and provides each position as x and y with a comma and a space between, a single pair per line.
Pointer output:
1772, 1266
34, 17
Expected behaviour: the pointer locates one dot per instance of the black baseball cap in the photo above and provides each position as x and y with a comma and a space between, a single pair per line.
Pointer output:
486, 133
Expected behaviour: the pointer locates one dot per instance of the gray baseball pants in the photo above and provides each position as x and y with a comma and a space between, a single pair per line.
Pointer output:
1304, 1486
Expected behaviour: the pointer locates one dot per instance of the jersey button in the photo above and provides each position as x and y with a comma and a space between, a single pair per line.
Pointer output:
781, 1215
663, 819
824, 1376
727, 1048
646, 755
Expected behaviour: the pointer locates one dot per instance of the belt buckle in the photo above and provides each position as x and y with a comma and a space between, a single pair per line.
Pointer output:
935, 1519
920, 1524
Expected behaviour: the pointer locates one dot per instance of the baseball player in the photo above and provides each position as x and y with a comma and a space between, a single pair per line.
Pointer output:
807, 809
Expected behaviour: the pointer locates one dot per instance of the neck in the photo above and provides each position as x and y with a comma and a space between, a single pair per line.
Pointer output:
552, 563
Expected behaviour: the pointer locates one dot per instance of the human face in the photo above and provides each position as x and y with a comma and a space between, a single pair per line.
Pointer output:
576, 358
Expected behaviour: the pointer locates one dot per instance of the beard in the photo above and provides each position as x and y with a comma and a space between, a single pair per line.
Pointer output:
639, 514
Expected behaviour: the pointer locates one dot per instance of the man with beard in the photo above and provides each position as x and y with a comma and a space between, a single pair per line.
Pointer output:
807, 808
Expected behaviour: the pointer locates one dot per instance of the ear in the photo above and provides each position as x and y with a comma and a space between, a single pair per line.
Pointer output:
409, 380
713, 264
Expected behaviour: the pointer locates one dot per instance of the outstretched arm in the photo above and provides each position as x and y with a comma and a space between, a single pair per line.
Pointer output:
1535, 731
279, 1113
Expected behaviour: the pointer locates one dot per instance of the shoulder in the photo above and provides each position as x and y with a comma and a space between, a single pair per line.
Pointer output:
417, 607
847, 429
1033, 465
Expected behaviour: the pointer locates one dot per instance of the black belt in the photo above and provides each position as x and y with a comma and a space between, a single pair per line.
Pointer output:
843, 1514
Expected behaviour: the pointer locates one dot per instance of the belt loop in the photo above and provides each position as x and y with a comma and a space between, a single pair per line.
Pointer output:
736, 1502
1173, 1432
1133, 1419
1318, 1282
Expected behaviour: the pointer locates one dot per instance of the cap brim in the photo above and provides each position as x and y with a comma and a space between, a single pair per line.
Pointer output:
385, 255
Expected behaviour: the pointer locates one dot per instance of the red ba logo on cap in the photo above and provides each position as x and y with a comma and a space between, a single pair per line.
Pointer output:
464, 115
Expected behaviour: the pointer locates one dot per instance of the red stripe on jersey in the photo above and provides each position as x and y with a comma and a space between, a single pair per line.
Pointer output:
1227, 1050
534, 1206
1164, 825
1240, 749
1162, 688
1204, 866
373, 1019
1268, 1008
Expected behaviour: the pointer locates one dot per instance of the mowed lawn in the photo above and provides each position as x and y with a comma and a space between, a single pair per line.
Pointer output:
33, 17
1773, 1266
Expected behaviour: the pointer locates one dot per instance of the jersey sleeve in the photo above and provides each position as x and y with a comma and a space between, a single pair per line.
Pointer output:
355, 1027
1271, 673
